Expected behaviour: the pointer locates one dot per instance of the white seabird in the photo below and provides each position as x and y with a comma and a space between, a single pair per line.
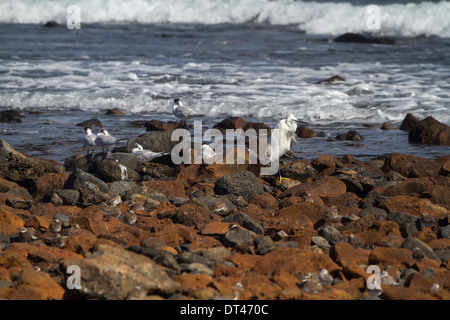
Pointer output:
104, 140
144, 155
183, 112
88, 140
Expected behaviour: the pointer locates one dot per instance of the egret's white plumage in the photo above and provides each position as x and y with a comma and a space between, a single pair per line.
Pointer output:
285, 133
144, 155
104, 139
88, 139
183, 112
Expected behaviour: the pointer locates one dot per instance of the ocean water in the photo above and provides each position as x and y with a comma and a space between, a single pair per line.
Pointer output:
260, 60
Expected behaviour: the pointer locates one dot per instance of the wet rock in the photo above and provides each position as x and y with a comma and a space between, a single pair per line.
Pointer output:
305, 133
430, 131
245, 221
157, 125
411, 166
51, 24
332, 79
114, 112
10, 116
350, 135
408, 223
412, 243
409, 122
386, 126
241, 183
114, 273
90, 123
231, 123
359, 38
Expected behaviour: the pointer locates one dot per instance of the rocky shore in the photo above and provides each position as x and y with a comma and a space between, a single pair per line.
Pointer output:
155, 230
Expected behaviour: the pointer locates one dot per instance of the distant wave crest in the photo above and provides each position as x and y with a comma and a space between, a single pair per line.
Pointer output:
424, 18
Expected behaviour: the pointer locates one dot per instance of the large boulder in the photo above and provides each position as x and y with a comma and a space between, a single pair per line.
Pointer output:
7, 152
359, 38
156, 141
117, 274
92, 189
240, 183
430, 131
10, 116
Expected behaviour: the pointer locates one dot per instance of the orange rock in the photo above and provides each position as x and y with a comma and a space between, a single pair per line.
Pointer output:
227, 271
37, 222
48, 182
350, 258
415, 206
171, 188
43, 254
24, 293
215, 228
396, 257
418, 282
33, 278
257, 286
9, 222
81, 241
403, 293
193, 280
265, 200
411, 166
285, 280
314, 212
12, 259
382, 231
294, 261
324, 187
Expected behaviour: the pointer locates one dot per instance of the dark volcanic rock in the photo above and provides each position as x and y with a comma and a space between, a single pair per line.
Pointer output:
409, 122
359, 38
408, 223
350, 135
10, 116
92, 190
155, 141
331, 79
240, 183
430, 131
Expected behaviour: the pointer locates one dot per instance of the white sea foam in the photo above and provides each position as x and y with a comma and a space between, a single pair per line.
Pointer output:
424, 18
232, 90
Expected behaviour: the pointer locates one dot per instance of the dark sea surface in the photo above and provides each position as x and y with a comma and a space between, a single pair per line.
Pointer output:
260, 60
